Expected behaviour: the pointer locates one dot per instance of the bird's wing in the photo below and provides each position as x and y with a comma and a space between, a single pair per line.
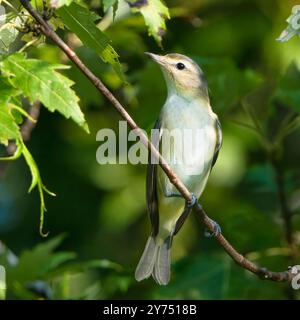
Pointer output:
219, 141
151, 189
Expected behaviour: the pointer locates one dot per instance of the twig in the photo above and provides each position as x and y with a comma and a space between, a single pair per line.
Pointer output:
237, 257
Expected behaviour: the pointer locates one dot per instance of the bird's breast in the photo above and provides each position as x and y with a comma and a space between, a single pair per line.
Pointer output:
188, 136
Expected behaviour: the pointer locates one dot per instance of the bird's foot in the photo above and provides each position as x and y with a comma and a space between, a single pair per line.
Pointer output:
217, 230
193, 201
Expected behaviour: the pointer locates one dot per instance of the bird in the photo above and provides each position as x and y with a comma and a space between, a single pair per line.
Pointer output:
186, 109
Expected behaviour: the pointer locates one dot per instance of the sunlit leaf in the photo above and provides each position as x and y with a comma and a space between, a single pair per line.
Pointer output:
8, 127
81, 21
155, 14
39, 80
8, 35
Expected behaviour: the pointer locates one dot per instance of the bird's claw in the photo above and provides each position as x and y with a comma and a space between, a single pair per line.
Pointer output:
193, 201
217, 230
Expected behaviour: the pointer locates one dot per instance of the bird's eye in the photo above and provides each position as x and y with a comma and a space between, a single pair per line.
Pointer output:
180, 66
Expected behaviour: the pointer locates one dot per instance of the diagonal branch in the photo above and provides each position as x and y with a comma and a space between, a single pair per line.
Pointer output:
237, 257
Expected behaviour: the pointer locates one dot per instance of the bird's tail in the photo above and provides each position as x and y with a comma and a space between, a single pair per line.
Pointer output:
155, 260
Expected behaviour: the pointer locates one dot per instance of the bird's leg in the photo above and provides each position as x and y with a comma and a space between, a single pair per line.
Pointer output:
187, 209
216, 232
188, 206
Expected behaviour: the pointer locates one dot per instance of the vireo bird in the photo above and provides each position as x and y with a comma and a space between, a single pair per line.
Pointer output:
186, 110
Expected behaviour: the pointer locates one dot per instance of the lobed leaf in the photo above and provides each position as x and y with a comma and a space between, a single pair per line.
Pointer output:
155, 14
39, 80
9, 129
35, 263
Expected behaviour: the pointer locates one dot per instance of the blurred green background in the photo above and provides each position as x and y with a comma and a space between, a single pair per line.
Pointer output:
101, 209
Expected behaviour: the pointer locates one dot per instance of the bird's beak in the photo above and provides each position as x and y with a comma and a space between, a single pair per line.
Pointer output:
157, 58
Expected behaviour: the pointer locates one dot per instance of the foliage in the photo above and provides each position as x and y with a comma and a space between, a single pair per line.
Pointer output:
254, 87
81, 21
43, 273
39, 80
155, 13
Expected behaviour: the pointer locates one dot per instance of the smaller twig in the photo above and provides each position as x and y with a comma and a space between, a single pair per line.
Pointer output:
238, 258
28, 44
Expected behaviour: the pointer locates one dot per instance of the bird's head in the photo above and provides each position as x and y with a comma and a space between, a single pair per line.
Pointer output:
183, 76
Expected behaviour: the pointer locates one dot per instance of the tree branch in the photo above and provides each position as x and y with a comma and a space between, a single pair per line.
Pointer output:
237, 257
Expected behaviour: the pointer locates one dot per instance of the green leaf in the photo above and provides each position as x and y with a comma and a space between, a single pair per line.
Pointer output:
36, 182
257, 104
227, 83
39, 80
9, 129
202, 276
36, 263
288, 90
8, 35
81, 21
155, 14
107, 4
8, 30
7, 91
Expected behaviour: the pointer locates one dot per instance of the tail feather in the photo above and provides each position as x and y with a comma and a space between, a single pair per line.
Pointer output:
146, 263
162, 267
155, 260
